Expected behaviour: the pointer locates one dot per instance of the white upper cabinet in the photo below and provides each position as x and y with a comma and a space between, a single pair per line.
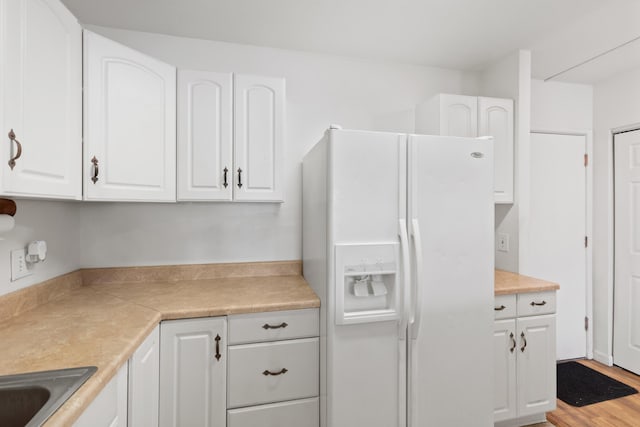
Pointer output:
129, 124
259, 132
471, 116
40, 100
205, 135
496, 120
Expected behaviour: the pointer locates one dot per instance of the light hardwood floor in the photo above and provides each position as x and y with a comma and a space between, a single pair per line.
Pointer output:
622, 412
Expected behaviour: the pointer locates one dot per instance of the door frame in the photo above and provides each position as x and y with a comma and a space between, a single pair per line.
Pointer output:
611, 238
588, 135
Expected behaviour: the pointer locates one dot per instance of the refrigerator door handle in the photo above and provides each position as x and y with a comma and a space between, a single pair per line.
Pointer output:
406, 282
417, 303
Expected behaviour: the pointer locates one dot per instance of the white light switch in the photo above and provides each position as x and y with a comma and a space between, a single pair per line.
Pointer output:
503, 242
19, 264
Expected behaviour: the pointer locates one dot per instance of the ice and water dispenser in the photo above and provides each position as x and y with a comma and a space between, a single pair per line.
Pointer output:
367, 283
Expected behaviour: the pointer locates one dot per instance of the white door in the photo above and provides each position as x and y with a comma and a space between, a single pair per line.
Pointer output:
144, 382
129, 128
451, 212
259, 108
557, 230
495, 118
504, 369
626, 334
458, 115
41, 101
193, 372
205, 135
536, 364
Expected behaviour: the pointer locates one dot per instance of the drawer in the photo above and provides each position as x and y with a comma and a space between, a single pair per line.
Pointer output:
297, 413
534, 303
273, 326
272, 372
504, 307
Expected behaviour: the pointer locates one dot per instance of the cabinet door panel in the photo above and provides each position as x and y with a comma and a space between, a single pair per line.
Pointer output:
204, 135
504, 369
144, 382
458, 115
192, 379
41, 88
259, 133
496, 120
129, 123
109, 408
536, 364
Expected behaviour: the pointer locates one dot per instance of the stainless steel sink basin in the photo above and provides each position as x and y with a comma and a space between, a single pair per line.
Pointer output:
27, 400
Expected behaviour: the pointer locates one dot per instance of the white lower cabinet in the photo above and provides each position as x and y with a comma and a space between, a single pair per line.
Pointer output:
193, 372
109, 408
299, 413
525, 361
144, 382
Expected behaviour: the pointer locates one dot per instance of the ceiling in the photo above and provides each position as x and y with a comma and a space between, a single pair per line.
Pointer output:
460, 34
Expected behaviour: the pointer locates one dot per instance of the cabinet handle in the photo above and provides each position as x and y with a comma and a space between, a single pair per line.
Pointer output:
502, 307
94, 178
281, 325
513, 342
218, 356
239, 178
12, 138
524, 345
538, 303
225, 183
280, 372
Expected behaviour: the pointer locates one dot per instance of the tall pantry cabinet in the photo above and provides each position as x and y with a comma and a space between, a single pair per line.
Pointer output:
471, 116
40, 100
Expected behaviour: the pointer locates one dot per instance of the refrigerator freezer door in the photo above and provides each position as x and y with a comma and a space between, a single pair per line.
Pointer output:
451, 209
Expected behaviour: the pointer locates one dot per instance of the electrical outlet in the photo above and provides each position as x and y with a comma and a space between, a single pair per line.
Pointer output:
19, 264
503, 242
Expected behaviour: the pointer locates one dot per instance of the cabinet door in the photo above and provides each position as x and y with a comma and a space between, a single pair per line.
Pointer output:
259, 138
458, 115
193, 372
109, 408
496, 120
144, 382
205, 135
504, 369
40, 99
130, 138
536, 364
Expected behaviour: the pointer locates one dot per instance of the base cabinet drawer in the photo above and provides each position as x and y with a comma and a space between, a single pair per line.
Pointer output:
274, 326
272, 372
297, 413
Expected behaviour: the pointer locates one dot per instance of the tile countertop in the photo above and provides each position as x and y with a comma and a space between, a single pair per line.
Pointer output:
512, 283
103, 324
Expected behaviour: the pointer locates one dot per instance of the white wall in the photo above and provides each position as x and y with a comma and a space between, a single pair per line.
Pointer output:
616, 104
321, 90
558, 106
511, 78
55, 222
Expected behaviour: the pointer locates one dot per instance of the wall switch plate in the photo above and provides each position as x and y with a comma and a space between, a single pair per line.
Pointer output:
503, 242
19, 264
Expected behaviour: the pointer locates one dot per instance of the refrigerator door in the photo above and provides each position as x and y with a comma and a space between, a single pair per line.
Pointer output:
451, 220
366, 358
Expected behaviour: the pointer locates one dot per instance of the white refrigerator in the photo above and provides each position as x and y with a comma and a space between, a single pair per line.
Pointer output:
398, 244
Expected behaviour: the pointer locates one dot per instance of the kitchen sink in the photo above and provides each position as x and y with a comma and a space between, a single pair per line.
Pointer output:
27, 400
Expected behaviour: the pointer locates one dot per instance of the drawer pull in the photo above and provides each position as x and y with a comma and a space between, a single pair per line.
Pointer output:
12, 138
502, 307
533, 303
281, 325
280, 372
513, 342
217, 339
94, 178
524, 344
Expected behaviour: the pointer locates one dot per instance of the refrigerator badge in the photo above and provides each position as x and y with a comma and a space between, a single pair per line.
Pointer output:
477, 155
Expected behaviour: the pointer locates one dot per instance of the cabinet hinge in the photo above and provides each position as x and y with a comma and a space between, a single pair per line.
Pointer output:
586, 241
586, 160
586, 323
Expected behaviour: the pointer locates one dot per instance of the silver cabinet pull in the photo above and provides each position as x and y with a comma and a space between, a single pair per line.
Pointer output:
281, 325
280, 372
12, 138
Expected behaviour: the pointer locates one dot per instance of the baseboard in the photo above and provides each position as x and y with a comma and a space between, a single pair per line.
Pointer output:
603, 358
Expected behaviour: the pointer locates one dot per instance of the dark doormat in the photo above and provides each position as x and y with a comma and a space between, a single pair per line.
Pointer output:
581, 386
